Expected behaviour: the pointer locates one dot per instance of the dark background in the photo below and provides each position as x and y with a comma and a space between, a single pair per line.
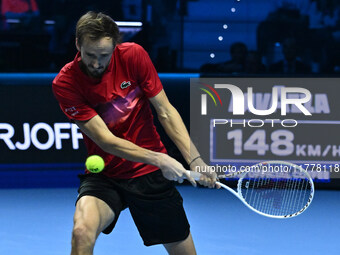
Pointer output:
192, 38
183, 35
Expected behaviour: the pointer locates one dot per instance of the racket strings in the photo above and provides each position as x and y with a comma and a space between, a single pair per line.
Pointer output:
276, 196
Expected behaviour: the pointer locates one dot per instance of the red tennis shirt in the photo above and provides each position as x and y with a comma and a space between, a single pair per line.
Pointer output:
18, 6
120, 98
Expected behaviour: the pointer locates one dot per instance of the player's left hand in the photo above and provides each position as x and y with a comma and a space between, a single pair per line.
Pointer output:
208, 175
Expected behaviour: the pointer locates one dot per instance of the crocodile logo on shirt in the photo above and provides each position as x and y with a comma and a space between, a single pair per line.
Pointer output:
125, 84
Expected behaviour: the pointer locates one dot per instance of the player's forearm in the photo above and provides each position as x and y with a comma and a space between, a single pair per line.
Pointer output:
125, 149
97, 130
176, 130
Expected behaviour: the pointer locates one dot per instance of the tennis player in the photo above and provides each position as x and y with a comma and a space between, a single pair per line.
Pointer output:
106, 90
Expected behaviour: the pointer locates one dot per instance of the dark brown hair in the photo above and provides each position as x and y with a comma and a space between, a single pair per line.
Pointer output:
96, 26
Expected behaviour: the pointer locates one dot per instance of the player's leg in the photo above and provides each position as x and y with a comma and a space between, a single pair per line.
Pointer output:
185, 247
97, 210
91, 217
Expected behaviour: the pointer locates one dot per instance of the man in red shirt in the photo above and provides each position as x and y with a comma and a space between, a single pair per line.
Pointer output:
19, 8
106, 91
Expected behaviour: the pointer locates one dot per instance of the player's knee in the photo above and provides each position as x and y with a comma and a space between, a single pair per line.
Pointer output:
83, 236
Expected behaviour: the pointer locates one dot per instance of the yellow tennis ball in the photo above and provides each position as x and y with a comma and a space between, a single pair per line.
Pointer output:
95, 164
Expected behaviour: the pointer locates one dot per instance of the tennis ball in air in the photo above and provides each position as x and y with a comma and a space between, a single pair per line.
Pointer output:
95, 164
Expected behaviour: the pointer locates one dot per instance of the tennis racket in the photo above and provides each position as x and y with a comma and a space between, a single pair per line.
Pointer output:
274, 189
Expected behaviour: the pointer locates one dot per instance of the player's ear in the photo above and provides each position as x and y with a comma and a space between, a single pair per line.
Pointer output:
77, 44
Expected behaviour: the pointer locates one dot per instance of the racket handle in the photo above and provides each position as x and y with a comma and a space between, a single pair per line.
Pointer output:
194, 175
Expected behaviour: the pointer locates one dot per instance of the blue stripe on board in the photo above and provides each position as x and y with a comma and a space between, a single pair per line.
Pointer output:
178, 75
41, 166
54, 175
47, 78
66, 178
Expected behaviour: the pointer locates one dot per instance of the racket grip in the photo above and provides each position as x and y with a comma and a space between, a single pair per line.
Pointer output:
194, 175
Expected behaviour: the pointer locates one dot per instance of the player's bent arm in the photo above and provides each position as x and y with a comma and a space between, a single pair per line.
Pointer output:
96, 129
176, 130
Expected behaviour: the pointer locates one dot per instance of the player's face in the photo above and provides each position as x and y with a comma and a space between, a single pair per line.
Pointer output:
96, 55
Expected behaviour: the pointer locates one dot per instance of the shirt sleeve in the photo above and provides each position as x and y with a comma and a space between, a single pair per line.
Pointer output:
34, 6
146, 73
71, 102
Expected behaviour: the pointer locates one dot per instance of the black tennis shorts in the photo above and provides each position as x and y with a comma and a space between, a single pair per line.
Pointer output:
154, 203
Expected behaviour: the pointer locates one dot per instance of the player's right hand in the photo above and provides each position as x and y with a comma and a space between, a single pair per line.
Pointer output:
173, 170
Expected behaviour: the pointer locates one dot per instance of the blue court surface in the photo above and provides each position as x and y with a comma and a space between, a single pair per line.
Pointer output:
39, 222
